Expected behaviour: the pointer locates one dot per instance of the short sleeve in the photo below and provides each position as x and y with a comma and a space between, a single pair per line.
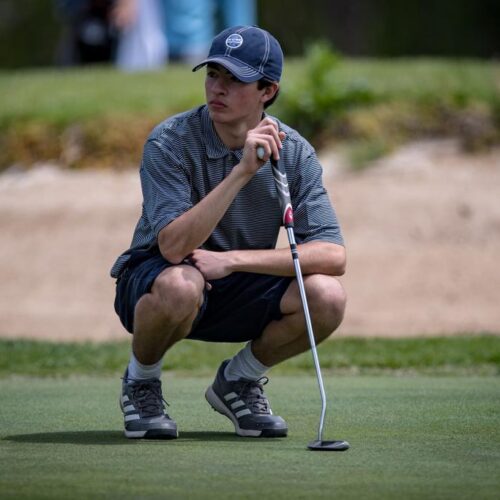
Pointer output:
314, 215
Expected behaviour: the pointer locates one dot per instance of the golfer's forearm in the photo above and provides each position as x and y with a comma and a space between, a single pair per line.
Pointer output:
190, 230
315, 257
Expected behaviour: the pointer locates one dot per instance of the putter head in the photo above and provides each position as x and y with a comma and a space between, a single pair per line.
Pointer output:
328, 445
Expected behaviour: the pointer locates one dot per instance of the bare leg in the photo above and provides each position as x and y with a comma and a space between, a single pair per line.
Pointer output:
165, 315
288, 337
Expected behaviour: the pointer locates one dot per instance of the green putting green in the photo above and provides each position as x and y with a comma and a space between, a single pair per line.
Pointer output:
411, 437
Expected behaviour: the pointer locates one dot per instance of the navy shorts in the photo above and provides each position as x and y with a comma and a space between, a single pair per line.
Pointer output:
236, 309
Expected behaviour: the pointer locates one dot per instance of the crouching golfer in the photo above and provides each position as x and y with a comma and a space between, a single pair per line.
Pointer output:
203, 263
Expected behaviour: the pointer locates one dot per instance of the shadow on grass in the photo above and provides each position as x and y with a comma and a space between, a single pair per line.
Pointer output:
71, 437
117, 437
220, 436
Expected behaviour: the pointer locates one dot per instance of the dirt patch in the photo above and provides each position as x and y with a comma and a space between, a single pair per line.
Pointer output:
422, 229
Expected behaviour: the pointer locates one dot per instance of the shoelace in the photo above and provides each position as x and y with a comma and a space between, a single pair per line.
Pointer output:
252, 392
147, 396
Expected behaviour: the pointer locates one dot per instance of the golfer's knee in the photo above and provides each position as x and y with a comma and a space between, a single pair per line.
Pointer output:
327, 301
179, 292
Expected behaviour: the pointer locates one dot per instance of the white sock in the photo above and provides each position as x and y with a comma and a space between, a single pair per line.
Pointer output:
245, 366
138, 371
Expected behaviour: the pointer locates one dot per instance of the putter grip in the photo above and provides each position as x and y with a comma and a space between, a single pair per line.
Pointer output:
283, 191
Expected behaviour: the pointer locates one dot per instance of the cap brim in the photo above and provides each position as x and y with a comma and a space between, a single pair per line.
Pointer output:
241, 71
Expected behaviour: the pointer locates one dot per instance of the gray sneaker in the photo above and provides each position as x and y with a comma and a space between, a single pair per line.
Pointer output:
143, 410
246, 405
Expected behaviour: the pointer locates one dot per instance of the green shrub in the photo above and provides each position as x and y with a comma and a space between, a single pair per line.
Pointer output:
77, 118
319, 95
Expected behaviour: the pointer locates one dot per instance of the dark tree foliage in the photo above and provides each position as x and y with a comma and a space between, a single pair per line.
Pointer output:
31, 29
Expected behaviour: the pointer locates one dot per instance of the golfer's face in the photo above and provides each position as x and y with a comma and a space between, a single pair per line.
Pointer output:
230, 100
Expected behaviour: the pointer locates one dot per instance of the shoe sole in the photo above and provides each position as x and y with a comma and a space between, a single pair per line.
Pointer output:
215, 402
151, 434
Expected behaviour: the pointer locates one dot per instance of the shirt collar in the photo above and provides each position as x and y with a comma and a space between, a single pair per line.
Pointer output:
215, 147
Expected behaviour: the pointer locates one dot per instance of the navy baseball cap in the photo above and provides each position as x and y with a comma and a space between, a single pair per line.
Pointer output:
248, 52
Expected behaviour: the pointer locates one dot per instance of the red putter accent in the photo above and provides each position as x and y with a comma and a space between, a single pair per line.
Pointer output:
288, 217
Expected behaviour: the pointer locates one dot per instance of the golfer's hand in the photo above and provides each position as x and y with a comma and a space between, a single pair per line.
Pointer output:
267, 136
212, 265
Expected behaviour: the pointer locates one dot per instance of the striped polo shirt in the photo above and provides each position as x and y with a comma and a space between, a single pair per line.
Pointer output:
184, 159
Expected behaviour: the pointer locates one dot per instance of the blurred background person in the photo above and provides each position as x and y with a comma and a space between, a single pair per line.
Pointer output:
87, 34
144, 34
142, 42
192, 24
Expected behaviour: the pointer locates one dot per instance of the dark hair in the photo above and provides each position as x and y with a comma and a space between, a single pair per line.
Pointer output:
262, 84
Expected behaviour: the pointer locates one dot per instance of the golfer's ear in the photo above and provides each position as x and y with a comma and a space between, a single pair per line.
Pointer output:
270, 91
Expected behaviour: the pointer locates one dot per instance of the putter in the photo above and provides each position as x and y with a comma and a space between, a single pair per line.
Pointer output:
281, 182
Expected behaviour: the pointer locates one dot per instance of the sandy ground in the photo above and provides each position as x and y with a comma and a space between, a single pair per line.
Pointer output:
422, 228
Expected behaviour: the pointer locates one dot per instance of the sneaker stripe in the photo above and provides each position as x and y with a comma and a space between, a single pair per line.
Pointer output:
135, 416
241, 413
126, 401
230, 395
237, 404
143, 410
128, 405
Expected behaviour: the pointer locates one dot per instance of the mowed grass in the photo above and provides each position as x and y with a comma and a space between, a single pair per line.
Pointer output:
61, 97
468, 354
411, 437
99, 117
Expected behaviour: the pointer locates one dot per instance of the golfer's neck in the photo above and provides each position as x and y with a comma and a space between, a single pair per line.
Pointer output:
233, 135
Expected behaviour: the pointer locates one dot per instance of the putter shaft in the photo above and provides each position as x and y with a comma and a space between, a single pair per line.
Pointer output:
300, 281
282, 189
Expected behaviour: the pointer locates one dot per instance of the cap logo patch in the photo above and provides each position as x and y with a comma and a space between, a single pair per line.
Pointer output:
234, 41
